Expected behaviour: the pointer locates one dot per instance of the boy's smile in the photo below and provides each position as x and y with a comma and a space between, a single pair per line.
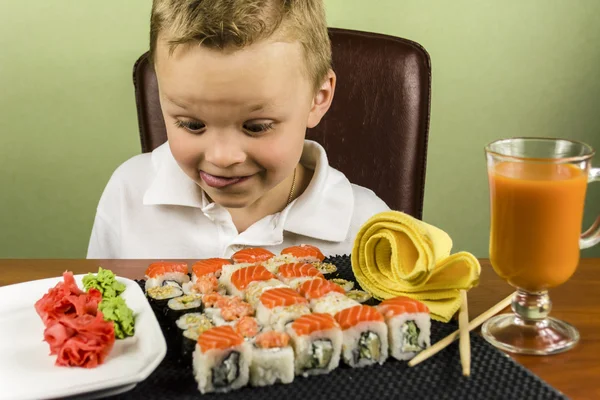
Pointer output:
236, 118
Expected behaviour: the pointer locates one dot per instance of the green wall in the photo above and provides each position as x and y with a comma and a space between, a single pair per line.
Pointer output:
68, 119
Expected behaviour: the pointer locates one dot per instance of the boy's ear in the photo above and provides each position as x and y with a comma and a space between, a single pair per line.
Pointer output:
322, 100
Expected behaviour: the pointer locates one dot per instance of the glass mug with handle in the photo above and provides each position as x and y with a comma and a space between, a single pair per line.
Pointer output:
537, 195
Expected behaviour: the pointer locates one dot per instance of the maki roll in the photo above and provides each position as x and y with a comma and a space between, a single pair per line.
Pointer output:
159, 296
365, 336
317, 342
160, 272
221, 360
257, 288
205, 277
178, 306
344, 283
272, 359
325, 296
409, 326
191, 326
277, 307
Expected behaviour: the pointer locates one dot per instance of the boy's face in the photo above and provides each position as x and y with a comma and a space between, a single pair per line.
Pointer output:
236, 120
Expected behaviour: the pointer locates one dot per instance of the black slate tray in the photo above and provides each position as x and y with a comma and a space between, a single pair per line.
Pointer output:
493, 376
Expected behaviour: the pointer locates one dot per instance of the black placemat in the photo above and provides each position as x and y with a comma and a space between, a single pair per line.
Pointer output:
493, 376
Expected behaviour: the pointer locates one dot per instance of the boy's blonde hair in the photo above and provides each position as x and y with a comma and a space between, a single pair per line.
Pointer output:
222, 24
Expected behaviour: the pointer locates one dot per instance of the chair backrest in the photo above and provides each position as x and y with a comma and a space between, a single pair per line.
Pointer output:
377, 127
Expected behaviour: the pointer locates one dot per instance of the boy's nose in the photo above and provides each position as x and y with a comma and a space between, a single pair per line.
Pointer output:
224, 151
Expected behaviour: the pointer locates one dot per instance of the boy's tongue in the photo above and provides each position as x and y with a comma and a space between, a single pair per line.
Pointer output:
217, 181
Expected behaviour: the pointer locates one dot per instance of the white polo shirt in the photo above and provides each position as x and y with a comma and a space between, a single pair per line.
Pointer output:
151, 209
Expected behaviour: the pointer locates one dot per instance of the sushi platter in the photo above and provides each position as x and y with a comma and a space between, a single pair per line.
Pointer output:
293, 325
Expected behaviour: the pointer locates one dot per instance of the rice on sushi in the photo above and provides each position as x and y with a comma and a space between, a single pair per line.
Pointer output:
304, 252
241, 278
365, 336
317, 342
272, 359
221, 360
409, 326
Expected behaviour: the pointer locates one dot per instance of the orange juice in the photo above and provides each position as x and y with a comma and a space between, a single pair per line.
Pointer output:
536, 216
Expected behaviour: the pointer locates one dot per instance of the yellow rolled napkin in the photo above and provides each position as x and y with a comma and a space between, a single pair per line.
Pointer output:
395, 254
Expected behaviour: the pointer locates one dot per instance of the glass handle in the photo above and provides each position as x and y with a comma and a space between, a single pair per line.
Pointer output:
591, 237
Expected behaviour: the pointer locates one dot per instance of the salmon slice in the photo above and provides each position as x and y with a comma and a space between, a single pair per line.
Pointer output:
281, 297
401, 305
220, 338
304, 251
307, 324
251, 255
352, 316
209, 266
316, 288
163, 267
243, 276
298, 270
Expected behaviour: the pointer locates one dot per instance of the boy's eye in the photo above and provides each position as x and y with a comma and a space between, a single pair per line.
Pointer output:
191, 126
258, 128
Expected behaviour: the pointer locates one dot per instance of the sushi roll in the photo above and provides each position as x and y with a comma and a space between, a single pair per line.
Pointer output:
205, 277
221, 360
317, 342
226, 310
272, 359
257, 288
296, 274
365, 336
160, 272
325, 296
273, 263
304, 252
278, 307
190, 327
228, 270
345, 284
209, 266
178, 306
159, 296
325, 268
409, 326
251, 255
241, 278
359, 295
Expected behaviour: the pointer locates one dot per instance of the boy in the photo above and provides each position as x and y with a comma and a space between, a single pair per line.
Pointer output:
239, 83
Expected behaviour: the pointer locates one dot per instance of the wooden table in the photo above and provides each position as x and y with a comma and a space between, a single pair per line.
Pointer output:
575, 373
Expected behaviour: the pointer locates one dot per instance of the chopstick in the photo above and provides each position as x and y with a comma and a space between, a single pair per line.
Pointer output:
442, 344
464, 341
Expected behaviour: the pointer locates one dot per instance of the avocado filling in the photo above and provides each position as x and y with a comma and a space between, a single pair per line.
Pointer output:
410, 337
320, 357
369, 347
227, 372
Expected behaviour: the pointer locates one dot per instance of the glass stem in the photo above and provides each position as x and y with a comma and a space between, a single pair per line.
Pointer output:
531, 307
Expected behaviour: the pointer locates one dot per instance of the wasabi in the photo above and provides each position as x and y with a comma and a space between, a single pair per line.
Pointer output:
114, 309
105, 282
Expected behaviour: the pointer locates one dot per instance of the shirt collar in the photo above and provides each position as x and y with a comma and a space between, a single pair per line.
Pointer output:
323, 211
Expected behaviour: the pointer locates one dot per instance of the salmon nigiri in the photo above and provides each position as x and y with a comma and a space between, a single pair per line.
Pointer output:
304, 252
251, 255
208, 266
317, 288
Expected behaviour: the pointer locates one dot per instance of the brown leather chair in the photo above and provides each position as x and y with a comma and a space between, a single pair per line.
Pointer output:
377, 128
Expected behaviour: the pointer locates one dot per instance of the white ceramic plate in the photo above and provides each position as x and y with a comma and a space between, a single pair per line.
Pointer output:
27, 371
